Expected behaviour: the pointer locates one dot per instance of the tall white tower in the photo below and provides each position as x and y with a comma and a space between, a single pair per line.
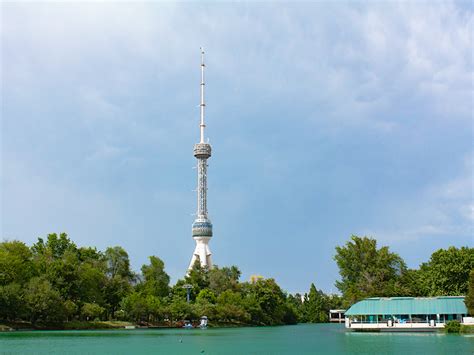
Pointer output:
202, 226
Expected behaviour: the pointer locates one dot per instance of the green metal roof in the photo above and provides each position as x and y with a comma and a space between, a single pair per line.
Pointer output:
408, 305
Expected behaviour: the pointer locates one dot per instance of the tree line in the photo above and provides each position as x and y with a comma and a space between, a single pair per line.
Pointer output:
55, 282
368, 271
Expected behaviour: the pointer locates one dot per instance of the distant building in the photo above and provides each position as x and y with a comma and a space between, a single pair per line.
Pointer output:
337, 315
255, 278
405, 313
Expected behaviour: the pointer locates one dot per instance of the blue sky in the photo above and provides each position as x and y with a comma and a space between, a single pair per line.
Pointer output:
326, 120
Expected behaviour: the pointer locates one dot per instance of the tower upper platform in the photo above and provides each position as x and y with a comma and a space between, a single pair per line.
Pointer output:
202, 150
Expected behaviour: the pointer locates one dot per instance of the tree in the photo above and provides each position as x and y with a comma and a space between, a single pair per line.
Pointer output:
413, 283
156, 308
92, 310
156, 279
230, 307
270, 299
15, 263
115, 290
91, 282
226, 278
119, 277
367, 271
118, 263
70, 309
316, 307
57, 261
135, 306
469, 300
55, 246
447, 272
296, 303
206, 295
11, 302
198, 276
179, 309
43, 301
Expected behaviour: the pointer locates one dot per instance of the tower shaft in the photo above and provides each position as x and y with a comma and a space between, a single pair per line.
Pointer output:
202, 188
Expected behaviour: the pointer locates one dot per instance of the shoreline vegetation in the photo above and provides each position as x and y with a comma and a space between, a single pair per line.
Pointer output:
56, 285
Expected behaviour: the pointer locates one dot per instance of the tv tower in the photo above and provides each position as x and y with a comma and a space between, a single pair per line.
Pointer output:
202, 226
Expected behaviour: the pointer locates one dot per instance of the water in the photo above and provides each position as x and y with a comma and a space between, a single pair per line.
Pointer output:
298, 339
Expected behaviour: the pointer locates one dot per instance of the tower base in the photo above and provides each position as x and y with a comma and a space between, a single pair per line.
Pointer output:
201, 253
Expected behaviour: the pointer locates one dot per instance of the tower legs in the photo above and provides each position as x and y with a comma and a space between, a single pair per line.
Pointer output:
201, 253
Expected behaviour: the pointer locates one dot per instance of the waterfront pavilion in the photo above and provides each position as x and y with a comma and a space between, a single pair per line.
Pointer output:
405, 312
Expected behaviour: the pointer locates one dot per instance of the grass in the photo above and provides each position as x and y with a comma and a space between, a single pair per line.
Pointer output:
467, 329
76, 325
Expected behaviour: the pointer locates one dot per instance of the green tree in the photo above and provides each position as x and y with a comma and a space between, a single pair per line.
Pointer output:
57, 261
115, 290
469, 300
118, 263
55, 246
316, 307
91, 282
296, 303
156, 308
179, 309
156, 279
118, 284
206, 295
222, 279
367, 271
230, 307
11, 302
198, 276
15, 263
92, 311
447, 272
43, 301
271, 300
135, 306
70, 309
206, 304
413, 283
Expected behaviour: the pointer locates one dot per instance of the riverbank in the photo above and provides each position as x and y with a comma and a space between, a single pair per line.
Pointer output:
92, 325
73, 325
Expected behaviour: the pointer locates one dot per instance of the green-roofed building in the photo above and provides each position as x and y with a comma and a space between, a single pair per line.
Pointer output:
405, 313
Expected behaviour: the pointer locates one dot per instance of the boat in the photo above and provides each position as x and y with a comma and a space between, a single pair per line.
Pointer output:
203, 324
187, 325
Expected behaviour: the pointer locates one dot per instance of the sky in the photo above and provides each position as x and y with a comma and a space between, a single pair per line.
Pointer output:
326, 120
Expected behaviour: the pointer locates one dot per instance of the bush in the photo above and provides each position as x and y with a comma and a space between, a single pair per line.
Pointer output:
453, 326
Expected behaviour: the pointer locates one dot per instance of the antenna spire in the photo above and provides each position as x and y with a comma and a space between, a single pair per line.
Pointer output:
202, 125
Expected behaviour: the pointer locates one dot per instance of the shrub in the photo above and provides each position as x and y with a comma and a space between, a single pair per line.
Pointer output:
453, 326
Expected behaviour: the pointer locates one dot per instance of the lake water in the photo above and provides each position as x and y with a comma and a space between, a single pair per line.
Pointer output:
298, 339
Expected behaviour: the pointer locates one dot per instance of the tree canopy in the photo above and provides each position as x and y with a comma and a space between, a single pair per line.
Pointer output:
368, 271
55, 281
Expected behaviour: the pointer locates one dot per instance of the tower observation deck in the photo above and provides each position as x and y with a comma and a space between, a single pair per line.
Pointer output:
202, 226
